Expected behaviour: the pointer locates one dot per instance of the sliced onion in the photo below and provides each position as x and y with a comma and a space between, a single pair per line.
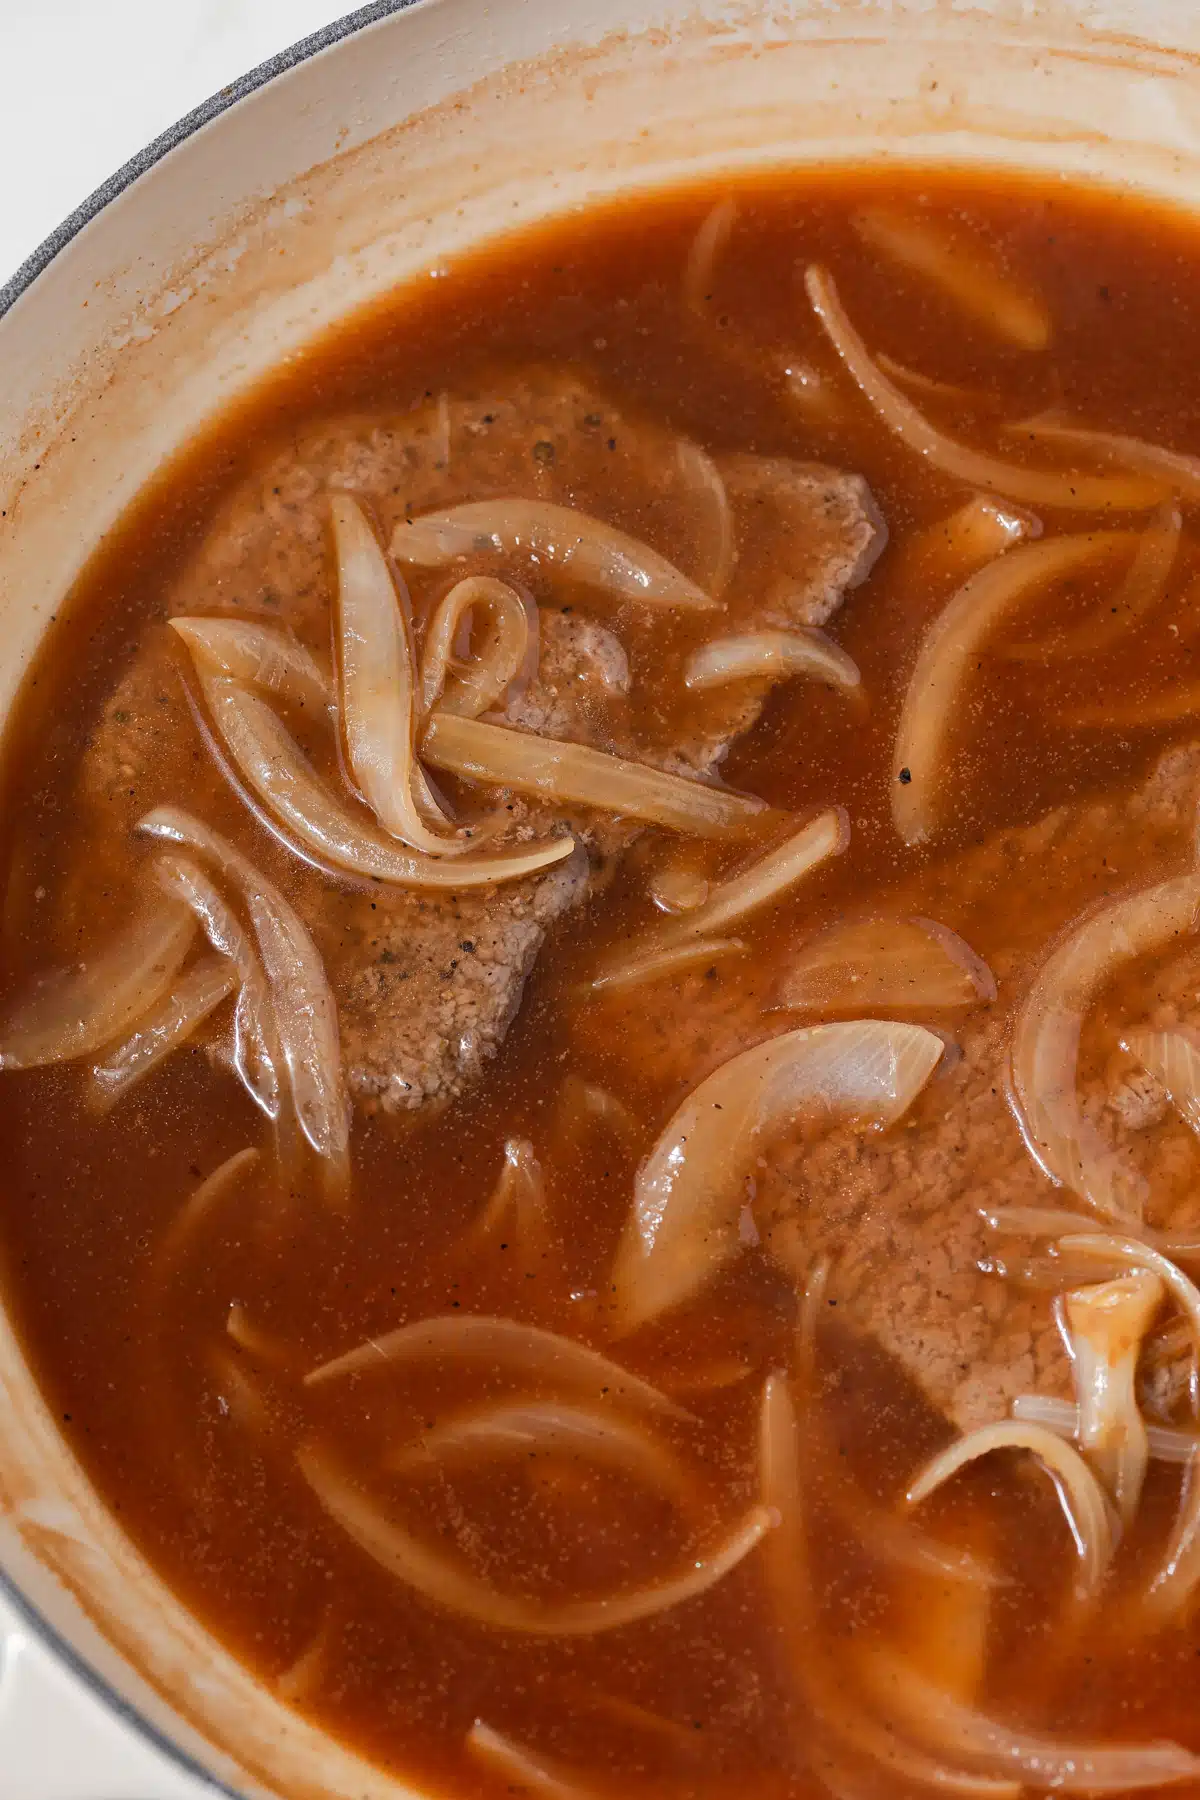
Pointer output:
872, 965
1080, 1494
272, 763
655, 964
257, 1052
1164, 1442
302, 1678
198, 1208
764, 881
266, 656
557, 537
963, 268
1045, 1053
1036, 487
163, 1029
79, 1010
577, 774
377, 680
255, 1341
1033, 1221
518, 1201
523, 1773
1175, 472
678, 887
502, 1344
1137, 594
1105, 1324
948, 655
691, 1189
447, 1584
707, 245
532, 1428
1173, 1584
713, 547
1043, 1761
952, 392
1173, 1058
1144, 715
769, 656
305, 1013
486, 677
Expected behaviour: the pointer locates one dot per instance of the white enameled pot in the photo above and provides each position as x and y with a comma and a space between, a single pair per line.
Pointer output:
368, 156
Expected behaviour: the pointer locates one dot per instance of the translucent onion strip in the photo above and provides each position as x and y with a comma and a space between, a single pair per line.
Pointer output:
691, 1190
707, 246
713, 547
769, 656
197, 1209
1182, 702
1082, 1498
518, 1768
549, 1428
1045, 1051
973, 534
1164, 1442
449, 1585
1173, 1584
78, 1010
377, 679
1106, 1323
276, 769
480, 683
1054, 489
948, 656
305, 1013
554, 537
736, 898
879, 965
1173, 1058
963, 268
517, 1205
257, 1053
577, 774
266, 656
195, 995
1139, 591
501, 1344
1175, 472
669, 959
1059, 1764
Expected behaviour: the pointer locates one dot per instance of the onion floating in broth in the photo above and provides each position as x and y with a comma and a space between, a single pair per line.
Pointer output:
963, 267
266, 656
197, 993
870, 965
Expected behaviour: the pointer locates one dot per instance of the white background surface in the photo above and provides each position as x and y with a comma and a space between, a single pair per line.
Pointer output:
84, 85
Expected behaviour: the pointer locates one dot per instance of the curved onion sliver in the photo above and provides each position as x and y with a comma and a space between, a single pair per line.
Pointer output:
531, 1428
523, 1773
486, 677
1059, 1764
448, 1584
1166, 1443
503, 1344
272, 763
1106, 1323
196, 1209
266, 656
575, 773
377, 680
768, 656
553, 536
1173, 1058
1175, 472
518, 1201
257, 1053
766, 879
1080, 1494
1144, 715
1174, 1582
948, 654
164, 1028
979, 530
1045, 1052
711, 532
963, 267
305, 1013
691, 1190
656, 963
707, 245
875, 965
1036, 487
79, 1010
1138, 593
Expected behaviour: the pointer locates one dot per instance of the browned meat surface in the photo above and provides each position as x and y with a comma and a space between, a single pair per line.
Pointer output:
914, 1265
428, 984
